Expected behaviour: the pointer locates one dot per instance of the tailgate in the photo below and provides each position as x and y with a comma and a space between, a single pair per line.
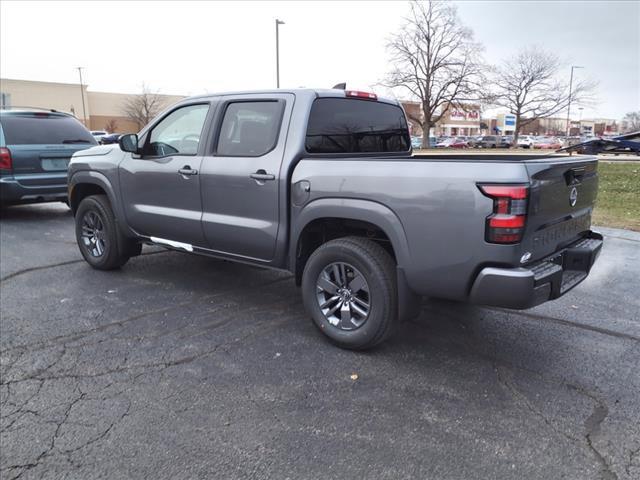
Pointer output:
31, 161
562, 196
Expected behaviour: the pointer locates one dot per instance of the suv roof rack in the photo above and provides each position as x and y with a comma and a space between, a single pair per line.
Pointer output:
41, 109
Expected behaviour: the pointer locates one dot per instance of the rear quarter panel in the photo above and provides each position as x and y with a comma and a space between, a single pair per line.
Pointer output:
438, 206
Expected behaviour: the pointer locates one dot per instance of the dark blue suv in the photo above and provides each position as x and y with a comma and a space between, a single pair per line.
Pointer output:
35, 148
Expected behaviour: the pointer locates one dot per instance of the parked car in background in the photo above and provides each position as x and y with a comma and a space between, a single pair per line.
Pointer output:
472, 142
35, 148
488, 141
416, 142
547, 143
525, 141
111, 138
506, 141
453, 142
98, 134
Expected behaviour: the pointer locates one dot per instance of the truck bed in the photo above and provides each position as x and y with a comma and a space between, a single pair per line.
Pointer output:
494, 157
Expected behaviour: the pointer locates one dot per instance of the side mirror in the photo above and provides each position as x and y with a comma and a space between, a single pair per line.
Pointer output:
128, 143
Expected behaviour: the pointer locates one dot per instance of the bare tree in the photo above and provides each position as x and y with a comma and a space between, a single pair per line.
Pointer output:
632, 121
143, 107
111, 126
530, 85
435, 60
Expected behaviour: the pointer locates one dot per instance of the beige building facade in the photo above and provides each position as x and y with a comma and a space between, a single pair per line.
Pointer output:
462, 119
100, 111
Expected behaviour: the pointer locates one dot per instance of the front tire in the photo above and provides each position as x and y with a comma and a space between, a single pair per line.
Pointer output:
100, 242
349, 288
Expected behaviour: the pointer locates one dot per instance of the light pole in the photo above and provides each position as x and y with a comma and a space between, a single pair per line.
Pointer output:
569, 104
278, 23
84, 112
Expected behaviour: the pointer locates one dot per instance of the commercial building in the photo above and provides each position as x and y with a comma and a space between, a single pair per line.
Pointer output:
97, 110
505, 124
460, 119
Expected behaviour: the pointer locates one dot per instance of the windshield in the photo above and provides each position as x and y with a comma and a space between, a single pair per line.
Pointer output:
44, 129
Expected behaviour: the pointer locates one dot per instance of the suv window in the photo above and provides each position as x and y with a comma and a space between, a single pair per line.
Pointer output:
341, 125
178, 133
250, 129
43, 128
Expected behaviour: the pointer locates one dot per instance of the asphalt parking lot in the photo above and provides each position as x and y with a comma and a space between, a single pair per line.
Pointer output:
179, 366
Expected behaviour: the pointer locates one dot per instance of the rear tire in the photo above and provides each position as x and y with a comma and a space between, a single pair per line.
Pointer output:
100, 241
376, 292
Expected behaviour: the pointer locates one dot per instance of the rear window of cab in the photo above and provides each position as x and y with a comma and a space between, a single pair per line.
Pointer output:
346, 125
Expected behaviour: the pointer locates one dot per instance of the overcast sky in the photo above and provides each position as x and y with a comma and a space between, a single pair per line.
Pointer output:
194, 47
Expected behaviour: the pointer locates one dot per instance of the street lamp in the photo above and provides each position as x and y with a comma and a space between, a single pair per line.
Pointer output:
570, 93
84, 112
278, 23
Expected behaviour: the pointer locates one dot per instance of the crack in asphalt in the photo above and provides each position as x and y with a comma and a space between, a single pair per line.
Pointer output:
49, 451
39, 345
632, 455
567, 323
35, 269
592, 423
59, 264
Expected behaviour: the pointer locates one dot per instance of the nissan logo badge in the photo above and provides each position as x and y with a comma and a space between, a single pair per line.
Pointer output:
573, 196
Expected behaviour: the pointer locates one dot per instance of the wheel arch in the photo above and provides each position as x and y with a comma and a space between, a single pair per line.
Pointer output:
352, 215
85, 183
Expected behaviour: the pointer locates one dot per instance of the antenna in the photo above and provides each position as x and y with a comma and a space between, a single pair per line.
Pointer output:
340, 86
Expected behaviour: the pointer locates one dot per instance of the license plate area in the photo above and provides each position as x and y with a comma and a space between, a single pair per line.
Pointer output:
54, 164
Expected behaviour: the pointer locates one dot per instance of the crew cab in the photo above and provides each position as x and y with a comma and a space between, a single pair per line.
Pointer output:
323, 183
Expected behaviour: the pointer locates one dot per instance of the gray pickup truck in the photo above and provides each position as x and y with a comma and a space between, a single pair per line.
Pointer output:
322, 183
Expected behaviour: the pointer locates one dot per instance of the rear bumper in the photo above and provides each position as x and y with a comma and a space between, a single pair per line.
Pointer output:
13, 192
547, 279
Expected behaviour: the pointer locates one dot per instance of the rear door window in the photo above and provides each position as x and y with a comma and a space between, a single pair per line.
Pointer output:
340, 125
250, 129
44, 129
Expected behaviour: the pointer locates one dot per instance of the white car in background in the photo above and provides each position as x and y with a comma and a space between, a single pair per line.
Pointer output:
526, 141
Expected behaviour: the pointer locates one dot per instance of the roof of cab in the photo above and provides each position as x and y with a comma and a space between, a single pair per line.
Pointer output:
302, 92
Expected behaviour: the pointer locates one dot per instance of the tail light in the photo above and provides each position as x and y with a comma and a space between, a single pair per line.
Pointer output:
506, 223
358, 94
5, 159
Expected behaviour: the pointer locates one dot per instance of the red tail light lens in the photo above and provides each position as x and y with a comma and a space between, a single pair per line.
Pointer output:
358, 94
506, 223
5, 159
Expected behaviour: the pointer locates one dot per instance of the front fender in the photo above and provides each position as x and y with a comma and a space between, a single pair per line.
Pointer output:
92, 177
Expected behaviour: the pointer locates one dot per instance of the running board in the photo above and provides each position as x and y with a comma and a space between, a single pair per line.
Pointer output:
172, 243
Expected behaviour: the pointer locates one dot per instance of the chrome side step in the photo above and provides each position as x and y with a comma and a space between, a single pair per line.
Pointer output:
172, 243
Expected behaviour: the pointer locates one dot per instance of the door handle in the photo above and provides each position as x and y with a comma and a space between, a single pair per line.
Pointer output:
187, 170
262, 176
